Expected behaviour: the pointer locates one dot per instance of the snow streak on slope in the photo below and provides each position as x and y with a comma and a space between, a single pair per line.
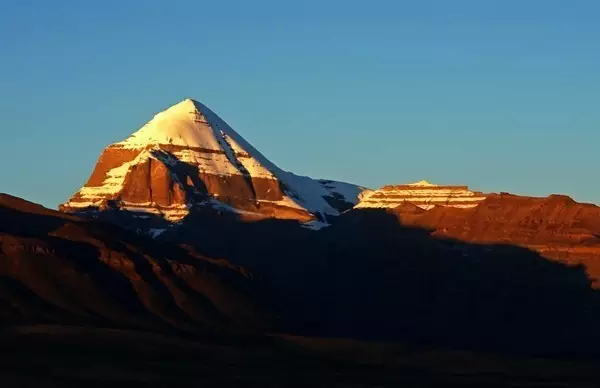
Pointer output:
113, 184
302, 191
349, 192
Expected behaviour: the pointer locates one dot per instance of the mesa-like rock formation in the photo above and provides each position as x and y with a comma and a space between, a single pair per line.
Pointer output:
423, 194
187, 157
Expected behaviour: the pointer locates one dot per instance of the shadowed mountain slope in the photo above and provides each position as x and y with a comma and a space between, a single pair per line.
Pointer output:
58, 268
381, 275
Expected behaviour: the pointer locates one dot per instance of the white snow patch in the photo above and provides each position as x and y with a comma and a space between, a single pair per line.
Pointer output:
350, 192
304, 191
83, 204
174, 213
219, 164
216, 204
421, 183
115, 178
154, 232
181, 124
315, 225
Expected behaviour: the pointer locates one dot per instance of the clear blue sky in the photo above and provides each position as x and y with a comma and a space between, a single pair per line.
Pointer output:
500, 95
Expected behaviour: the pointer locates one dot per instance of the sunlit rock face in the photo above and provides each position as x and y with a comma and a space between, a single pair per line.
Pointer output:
422, 194
186, 157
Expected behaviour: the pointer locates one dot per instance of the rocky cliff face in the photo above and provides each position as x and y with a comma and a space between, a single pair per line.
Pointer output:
422, 194
186, 157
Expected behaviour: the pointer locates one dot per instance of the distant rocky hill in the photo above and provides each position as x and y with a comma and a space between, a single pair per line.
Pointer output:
555, 226
423, 194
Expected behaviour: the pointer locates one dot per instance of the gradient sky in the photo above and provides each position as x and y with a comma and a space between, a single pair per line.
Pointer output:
500, 95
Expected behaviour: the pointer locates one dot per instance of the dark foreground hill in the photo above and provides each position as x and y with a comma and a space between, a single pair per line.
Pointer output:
87, 303
58, 268
59, 356
378, 275
373, 275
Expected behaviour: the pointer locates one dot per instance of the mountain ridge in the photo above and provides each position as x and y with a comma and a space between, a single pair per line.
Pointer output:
420, 262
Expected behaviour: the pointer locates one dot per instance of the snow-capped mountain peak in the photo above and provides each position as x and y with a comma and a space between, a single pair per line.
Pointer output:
188, 156
182, 124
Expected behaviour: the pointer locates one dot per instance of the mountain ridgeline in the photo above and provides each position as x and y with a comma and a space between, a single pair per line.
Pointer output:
184, 226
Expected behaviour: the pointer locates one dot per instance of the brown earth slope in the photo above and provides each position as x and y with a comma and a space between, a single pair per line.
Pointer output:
58, 268
556, 226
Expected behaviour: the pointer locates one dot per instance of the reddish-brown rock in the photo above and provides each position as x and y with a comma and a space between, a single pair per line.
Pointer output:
187, 157
556, 226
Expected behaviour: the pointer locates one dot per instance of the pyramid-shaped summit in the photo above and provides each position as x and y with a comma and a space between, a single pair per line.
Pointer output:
187, 157
183, 124
191, 126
